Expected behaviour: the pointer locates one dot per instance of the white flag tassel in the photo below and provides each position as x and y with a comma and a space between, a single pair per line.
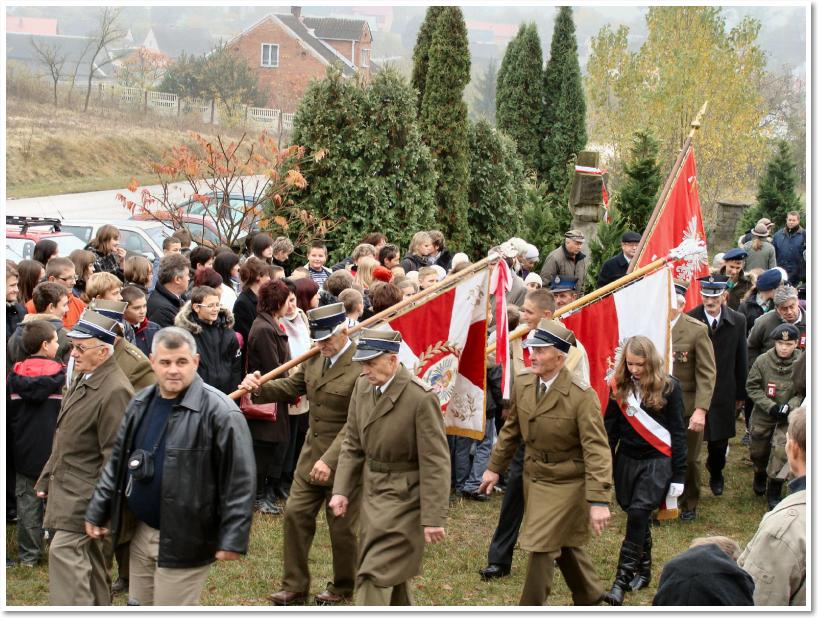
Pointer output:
501, 283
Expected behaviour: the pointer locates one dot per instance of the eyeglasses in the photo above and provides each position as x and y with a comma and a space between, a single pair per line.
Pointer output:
68, 279
84, 349
213, 305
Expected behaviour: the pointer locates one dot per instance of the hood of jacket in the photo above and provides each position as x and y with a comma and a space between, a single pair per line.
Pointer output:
37, 378
188, 320
48, 317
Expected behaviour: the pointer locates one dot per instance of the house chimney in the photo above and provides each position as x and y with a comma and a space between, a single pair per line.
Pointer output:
295, 11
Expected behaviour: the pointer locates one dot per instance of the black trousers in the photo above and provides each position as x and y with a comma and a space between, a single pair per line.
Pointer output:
501, 551
716, 457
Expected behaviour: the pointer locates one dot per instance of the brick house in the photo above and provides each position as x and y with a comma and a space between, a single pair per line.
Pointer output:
288, 51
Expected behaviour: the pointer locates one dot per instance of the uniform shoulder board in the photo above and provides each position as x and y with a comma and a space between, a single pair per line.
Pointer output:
422, 383
580, 383
134, 351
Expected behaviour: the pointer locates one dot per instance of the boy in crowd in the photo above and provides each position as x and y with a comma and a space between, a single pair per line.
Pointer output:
135, 316
427, 277
35, 386
354, 305
317, 256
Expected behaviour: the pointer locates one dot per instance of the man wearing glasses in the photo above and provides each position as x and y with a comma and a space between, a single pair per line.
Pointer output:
89, 418
61, 270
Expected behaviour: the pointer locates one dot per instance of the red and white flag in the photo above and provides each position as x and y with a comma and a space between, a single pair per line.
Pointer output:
444, 344
680, 219
641, 308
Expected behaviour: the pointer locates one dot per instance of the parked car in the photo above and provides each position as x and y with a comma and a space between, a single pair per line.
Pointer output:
202, 229
145, 238
22, 233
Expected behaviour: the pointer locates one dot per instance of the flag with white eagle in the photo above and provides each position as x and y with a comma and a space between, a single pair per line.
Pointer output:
444, 344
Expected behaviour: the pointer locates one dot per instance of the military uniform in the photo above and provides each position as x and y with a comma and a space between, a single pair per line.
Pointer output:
759, 339
395, 447
695, 369
770, 383
567, 467
329, 392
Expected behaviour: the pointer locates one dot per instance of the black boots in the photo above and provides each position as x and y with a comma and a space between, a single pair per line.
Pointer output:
759, 482
774, 493
643, 572
629, 558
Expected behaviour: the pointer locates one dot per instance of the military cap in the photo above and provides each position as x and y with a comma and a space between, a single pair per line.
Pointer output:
563, 283
681, 287
768, 280
785, 332
375, 342
576, 235
713, 285
548, 333
735, 253
92, 325
324, 321
631, 237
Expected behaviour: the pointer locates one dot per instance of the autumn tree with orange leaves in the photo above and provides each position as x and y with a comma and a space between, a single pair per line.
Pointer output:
142, 69
232, 189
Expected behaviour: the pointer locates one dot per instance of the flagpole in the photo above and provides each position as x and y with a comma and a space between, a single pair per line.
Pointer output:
589, 298
666, 189
393, 312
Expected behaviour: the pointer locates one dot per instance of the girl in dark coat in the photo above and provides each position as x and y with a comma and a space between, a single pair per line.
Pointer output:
254, 273
267, 349
647, 437
108, 254
420, 252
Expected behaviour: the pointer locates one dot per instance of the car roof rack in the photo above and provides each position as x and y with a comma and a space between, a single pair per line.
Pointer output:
33, 221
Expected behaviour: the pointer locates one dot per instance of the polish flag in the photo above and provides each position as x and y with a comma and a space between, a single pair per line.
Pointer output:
679, 220
444, 344
640, 308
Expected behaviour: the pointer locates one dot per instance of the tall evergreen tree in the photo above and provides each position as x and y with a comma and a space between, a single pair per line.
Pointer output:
444, 121
777, 191
485, 100
519, 95
496, 191
563, 117
419, 72
638, 195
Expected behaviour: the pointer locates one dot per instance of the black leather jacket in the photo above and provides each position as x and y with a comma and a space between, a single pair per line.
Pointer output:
209, 478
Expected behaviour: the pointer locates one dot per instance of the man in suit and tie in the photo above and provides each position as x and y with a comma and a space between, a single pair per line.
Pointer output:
328, 381
727, 331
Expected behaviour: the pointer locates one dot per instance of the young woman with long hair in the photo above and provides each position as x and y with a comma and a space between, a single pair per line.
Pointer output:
647, 437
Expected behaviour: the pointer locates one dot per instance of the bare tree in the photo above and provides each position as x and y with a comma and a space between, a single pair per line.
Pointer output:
53, 58
72, 79
108, 31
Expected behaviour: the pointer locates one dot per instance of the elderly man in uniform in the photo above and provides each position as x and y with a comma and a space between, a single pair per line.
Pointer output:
567, 259
567, 474
617, 266
395, 447
786, 310
328, 381
695, 369
86, 428
564, 289
726, 329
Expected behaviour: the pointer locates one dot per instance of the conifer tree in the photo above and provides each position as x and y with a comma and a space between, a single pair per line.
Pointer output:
777, 191
519, 95
444, 121
485, 101
638, 194
563, 118
421, 51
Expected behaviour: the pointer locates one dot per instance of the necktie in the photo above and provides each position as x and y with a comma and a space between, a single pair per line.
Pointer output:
713, 325
377, 393
541, 389
326, 365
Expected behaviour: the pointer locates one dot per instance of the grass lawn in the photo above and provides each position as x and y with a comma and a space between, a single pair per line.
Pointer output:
449, 575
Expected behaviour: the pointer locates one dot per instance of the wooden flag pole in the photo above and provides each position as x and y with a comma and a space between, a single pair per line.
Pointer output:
666, 189
393, 312
589, 298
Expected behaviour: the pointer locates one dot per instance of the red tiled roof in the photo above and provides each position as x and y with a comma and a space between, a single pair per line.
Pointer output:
499, 30
31, 25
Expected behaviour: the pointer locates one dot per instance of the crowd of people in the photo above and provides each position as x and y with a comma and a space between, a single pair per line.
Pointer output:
123, 442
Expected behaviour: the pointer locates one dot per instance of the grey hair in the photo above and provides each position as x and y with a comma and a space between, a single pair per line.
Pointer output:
783, 294
173, 337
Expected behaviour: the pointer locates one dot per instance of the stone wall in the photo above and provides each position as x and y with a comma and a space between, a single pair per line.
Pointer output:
721, 236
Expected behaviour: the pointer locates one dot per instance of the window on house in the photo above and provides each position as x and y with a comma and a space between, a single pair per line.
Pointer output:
364, 54
270, 55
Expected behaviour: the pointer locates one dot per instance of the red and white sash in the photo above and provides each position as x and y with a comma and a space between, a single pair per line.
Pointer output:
645, 425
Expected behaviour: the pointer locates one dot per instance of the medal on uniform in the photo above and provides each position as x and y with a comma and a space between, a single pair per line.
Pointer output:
802, 342
681, 357
770, 391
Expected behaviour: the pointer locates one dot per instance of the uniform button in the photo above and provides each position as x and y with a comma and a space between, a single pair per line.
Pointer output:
315, 434
51, 476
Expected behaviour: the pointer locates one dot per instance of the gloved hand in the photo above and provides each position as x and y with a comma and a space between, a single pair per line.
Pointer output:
780, 411
675, 490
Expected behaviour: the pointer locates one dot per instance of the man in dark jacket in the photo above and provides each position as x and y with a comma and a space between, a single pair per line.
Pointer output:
183, 452
738, 282
617, 266
727, 331
172, 282
14, 310
789, 244
760, 300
